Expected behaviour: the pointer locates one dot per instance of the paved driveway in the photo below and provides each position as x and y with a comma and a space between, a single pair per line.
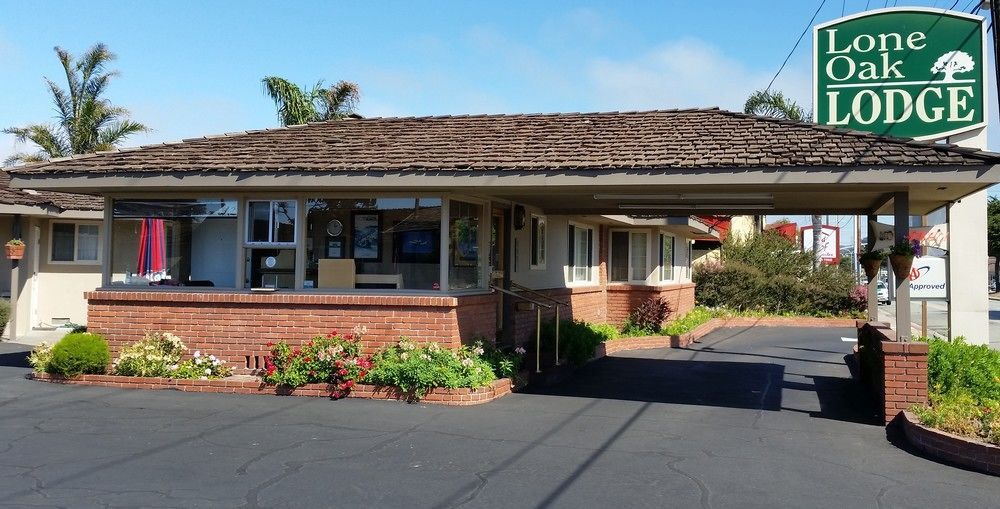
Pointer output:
748, 418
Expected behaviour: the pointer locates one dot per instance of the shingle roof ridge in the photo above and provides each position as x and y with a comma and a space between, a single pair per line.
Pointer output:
944, 147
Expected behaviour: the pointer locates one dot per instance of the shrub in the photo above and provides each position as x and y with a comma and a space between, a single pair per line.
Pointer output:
690, 321
156, 354
578, 340
416, 369
958, 366
204, 367
964, 391
79, 353
40, 356
505, 363
781, 286
331, 359
647, 317
4, 313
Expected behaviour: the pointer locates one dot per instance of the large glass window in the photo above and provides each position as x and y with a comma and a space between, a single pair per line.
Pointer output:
75, 243
376, 243
463, 260
581, 253
271, 222
666, 257
172, 242
629, 256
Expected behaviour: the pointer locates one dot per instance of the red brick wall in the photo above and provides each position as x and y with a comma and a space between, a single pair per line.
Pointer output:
588, 304
235, 325
622, 299
895, 371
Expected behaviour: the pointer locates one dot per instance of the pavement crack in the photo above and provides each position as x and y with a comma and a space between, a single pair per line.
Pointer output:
705, 492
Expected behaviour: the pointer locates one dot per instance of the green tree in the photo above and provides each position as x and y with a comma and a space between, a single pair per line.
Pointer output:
296, 105
87, 122
993, 234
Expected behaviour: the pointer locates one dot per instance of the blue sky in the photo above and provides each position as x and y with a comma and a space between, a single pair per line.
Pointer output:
190, 68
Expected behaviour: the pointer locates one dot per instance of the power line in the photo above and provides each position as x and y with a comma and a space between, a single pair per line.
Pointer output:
803, 34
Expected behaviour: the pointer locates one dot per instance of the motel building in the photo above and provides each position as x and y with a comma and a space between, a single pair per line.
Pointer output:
451, 228
458, 227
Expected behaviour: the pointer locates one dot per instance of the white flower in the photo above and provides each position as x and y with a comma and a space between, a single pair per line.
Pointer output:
197, 361
479, 351
215, 362
174, 367
197, 354
404, 356
466, 362
520, 350
211, 358
203, 378
208, 371
425, 357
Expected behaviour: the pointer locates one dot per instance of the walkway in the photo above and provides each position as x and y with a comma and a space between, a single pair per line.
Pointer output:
749, 418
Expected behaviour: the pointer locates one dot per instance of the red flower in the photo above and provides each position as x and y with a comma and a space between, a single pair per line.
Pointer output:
335, 395
296, 352
270, 344
312, 373
362, 374
338, 363
333, 332
270, 370
349, 384
349, 337
307, 359
342, 372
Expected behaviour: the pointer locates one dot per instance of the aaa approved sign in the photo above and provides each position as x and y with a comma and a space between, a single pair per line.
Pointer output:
907, 72
929, 278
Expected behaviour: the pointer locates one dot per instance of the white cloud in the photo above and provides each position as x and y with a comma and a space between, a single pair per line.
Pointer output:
687, 73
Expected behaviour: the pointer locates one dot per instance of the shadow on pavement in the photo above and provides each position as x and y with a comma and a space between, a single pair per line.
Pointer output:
14, 355
710, 383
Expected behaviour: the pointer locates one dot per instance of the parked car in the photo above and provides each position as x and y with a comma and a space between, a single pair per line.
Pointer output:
882, 293
993, 285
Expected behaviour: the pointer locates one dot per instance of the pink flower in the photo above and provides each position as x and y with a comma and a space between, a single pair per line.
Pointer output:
342, 372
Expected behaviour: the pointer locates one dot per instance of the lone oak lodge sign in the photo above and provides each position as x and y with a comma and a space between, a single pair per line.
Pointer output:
906, 72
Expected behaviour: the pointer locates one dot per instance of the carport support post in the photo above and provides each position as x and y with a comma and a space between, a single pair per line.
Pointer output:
873, 284
901, 226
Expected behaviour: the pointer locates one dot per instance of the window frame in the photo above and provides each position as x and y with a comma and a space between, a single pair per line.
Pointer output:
270, 243
571, 254
538, 243
628, 257
76, 243
673, 258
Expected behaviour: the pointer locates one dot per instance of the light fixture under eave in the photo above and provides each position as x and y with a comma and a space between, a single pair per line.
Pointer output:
687, 196
696, 206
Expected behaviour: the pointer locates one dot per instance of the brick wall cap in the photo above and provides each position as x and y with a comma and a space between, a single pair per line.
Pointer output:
306, 298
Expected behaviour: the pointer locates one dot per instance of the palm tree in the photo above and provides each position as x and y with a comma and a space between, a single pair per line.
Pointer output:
297, 106
86, 121
775, 104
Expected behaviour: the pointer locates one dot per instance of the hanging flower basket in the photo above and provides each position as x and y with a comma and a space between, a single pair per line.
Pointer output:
901, 265
871, 268
15, 249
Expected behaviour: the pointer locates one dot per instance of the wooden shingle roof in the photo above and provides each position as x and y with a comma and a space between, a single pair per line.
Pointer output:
662, 139
64, 201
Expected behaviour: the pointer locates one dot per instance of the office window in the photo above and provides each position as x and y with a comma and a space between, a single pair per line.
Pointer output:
629, 257
271, 222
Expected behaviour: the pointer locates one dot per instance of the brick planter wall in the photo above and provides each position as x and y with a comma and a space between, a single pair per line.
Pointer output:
955, 449
455, 397
622, 299
896, 372
237, 326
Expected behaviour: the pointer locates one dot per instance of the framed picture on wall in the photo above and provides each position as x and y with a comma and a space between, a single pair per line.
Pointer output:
335, 247
417, 246
465, 243
365, 236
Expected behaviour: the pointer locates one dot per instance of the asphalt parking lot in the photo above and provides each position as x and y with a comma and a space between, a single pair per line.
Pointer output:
753, 417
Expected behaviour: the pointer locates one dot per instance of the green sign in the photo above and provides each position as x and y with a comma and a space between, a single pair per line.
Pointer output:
907, 72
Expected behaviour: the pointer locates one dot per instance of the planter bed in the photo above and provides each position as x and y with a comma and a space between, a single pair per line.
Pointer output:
683, 340
954, 449
245, 385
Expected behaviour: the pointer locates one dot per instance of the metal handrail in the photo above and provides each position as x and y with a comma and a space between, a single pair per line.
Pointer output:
557, 302
538, 323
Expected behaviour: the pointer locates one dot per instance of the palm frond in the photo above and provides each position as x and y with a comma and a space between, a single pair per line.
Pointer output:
46, 137
117, 132
774, 104
340, 100
294, 105
64, 104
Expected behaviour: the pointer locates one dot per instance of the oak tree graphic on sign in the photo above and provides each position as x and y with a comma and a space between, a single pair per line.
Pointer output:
952, 63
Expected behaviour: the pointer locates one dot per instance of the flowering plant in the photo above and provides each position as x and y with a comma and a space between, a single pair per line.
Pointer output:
417, 368
158, 354
332, 359
875, 255
905, 248
40, 357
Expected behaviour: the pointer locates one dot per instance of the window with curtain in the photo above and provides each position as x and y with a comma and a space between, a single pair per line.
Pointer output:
75, 243
638, 256
619, 257
189, 242
581, 253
